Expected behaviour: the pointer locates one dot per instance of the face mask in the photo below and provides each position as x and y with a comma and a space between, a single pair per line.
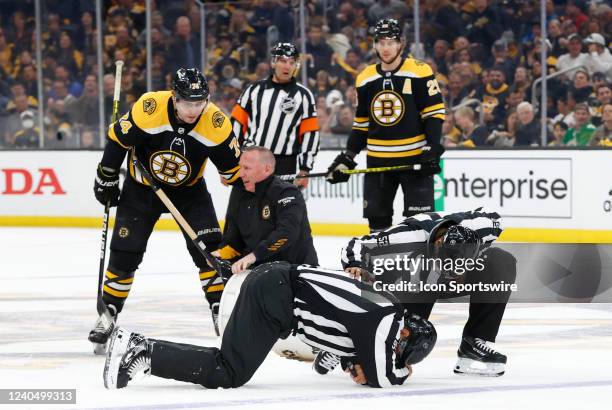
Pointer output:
27, 124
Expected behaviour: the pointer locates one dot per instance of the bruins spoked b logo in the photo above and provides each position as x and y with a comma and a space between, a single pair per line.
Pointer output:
387, 108
170, 167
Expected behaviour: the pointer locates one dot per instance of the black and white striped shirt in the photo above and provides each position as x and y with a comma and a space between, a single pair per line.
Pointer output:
416, 229
280, 117
344, 316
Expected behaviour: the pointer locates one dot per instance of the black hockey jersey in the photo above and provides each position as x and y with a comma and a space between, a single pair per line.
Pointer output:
392, 108
175, 154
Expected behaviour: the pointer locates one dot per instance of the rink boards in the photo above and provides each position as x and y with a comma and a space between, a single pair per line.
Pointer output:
543, 195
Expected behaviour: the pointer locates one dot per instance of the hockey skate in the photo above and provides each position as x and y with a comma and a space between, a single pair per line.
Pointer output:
128, 358
214, 310
325, 362
102, 330
478, 359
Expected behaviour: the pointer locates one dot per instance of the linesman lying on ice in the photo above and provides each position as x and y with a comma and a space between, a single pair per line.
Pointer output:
454, 237
327, 309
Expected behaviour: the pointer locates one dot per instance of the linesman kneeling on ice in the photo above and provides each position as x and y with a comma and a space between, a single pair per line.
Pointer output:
328, 310
266, 218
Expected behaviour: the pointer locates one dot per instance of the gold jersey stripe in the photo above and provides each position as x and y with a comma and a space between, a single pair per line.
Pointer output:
410, 153
207, 275
360, 119
116, 293
432, 108
404, 141
215, 288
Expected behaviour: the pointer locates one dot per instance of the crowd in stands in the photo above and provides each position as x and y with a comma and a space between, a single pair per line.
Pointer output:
484, 50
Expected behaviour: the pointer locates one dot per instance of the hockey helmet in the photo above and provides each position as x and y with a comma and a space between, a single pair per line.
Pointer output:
285, 50
418, 344
190, 84
387, 28
457, 241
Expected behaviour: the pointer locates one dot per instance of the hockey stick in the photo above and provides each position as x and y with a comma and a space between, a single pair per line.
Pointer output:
215, 263
101, 307
355, 171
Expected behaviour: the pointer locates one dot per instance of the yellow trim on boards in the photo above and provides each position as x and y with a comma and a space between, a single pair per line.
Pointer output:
534, 235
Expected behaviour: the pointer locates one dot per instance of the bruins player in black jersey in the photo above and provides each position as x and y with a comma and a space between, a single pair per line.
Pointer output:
173, 134
399, 120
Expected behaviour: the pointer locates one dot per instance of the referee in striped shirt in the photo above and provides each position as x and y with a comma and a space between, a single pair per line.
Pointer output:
327, 309
280, 114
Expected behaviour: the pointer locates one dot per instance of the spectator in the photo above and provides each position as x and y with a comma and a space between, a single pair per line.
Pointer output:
85, 109
442, 21
261, 71
318, 52
506, 136
581, 87
185, 46
63, 74
599, 58
473, 135
342, 122
574, 10
493, 97
580, 134
528, 128
482, 24
603, 133
88, 139
323, 115
6, 53
441, 50
85, 39
603, 97
559, 130
322, 84
350, 66
60, 92
18, 33
28, 135
456, 91
451, 135
574, 58
522, 80
557, 39
501, 58
514, 98
28, 79
51, 36
68, 55
13, 121
396, 9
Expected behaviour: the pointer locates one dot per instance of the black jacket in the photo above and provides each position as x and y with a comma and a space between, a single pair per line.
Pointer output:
272, 223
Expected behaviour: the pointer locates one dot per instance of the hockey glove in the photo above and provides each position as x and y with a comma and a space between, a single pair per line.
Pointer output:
430, 159
106, 186
342, 163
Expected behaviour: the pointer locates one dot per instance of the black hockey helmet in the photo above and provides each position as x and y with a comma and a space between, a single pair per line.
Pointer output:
189, 84
457, 242
387, 28
285, 50
419, 343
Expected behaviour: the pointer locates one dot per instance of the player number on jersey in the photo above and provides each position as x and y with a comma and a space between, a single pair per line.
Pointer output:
125, 126
235, 146
433, 87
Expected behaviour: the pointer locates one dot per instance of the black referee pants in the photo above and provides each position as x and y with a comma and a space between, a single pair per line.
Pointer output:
263, 314
486, 308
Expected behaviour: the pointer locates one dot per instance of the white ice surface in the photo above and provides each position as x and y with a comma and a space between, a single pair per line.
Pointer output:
559, 356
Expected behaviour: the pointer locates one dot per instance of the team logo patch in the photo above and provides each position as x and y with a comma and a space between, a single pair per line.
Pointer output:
149, 105
123, 232
218, 119
387, 108
287, 105
265, 212
170, 167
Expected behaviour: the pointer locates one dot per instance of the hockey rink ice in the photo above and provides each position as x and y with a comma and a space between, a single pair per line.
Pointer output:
559, 355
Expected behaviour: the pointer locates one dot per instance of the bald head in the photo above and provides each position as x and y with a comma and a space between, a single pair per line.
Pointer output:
256, 164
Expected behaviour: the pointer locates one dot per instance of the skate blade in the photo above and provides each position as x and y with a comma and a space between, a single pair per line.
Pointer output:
117, 346
469, 367
100, 349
